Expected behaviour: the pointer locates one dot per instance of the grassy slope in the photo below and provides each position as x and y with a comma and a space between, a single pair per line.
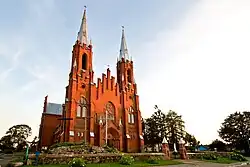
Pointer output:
222, 161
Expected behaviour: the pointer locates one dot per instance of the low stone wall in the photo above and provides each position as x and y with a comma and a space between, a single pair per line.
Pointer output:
90, 158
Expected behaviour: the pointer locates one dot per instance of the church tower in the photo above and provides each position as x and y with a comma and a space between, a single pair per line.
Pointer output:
129, 98
78, 92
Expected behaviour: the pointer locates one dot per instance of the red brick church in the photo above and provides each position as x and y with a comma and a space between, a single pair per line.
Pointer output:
106, 112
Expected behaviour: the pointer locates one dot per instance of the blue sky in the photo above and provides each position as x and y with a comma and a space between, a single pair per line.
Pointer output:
190, 56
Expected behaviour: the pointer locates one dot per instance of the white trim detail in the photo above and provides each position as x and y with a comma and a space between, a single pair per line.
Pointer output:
92, 134
71, 133
141, 137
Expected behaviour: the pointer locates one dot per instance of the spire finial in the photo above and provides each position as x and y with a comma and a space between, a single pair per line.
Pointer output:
123, 49
83, 32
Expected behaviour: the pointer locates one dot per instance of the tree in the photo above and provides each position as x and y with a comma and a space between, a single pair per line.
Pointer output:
190, 140
175, 127
6, 143
220, 145
33, 144
236, 130
151, 136
161, 125
16, 137
145, 132
160, 122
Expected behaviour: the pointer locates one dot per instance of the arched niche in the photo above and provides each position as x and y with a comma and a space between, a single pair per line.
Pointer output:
84, 61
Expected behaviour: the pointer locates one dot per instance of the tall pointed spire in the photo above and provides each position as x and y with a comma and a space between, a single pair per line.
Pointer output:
83, 32
123, 49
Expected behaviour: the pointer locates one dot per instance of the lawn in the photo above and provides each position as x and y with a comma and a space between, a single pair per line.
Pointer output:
135, 164
222, 161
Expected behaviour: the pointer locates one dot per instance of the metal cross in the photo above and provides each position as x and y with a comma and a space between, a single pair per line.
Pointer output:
106, 125
85, 127
64, 119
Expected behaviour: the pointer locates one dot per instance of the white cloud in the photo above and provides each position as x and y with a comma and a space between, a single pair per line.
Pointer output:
201, 68
13, 59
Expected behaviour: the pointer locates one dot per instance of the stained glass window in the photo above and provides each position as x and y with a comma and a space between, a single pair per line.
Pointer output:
82, 108
78, 112
84, 111
131, 115
110, 111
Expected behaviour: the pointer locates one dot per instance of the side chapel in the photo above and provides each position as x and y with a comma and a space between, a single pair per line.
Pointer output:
106, 112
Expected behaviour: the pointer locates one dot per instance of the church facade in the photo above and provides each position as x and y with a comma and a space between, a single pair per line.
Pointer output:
106, 112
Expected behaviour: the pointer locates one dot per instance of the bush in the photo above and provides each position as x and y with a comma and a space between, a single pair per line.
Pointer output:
237, 151
153, 160
77, 162
126, 160
237, 157
65, 144
110, 149
210, 156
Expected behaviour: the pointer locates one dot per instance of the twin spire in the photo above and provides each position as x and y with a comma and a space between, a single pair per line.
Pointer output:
83, 32
83, 38
124, 49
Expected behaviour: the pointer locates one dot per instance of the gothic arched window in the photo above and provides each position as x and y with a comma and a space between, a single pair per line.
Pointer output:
84, 61
131, 115
129, 75
110, 109
78, 111
82, 108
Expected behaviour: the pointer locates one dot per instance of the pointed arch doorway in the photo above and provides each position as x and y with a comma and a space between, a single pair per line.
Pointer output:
113, 138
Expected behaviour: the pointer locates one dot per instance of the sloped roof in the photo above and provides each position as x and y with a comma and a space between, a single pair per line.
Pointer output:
53, 108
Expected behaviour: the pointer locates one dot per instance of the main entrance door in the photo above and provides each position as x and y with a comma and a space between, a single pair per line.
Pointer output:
113, 138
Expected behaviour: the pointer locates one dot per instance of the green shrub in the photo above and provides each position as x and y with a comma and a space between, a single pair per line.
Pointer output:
126, 160
61, 144
67, 144
210, 156
110, 149
77, 162
152, 160
237, 151
237, 157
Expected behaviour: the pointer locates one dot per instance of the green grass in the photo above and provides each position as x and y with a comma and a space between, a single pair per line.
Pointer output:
222, 161
135, 164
